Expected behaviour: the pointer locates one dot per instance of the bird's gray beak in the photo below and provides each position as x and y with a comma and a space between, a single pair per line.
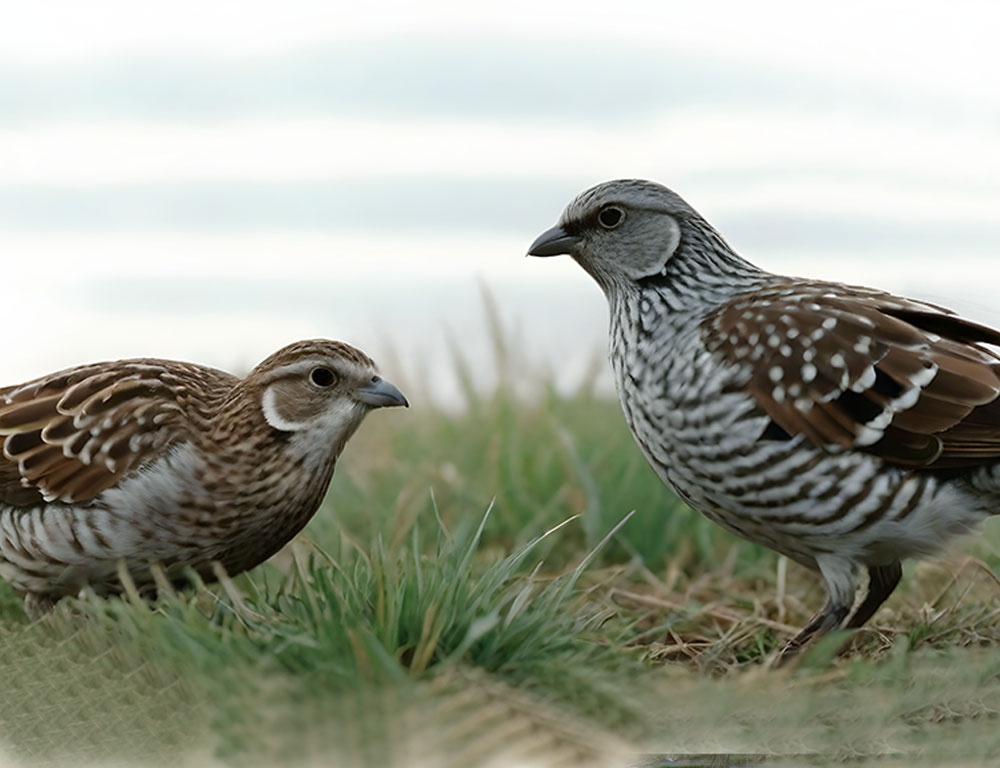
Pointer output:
379, 393
553, 242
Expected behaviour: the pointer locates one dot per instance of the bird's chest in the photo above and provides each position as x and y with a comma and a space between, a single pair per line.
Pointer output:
283, 510
260, 505
682, 407
667, 380
216, 504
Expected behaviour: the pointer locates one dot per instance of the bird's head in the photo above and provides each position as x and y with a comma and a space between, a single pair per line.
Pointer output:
319, 391
619, 231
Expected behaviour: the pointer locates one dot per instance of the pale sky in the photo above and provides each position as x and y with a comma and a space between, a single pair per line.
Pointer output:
212, 180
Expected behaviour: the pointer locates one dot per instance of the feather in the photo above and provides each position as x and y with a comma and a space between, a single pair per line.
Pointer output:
890, 377
75, 433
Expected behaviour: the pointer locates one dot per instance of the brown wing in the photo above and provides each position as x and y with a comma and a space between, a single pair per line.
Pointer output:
856, 368
73, 434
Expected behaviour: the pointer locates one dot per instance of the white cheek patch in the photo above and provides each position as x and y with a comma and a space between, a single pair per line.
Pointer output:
328, 432
332, 426
645, 262
275, 419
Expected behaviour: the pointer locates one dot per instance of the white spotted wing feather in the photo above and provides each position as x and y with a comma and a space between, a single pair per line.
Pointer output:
853, 368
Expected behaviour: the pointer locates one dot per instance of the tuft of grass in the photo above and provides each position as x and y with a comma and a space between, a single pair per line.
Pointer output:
388, 621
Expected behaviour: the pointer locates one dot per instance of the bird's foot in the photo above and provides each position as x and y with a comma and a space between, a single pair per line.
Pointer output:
240, 608
38, 605
830, 617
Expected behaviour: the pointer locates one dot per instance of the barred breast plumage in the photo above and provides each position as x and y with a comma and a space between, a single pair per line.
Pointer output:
842, 426
156, 461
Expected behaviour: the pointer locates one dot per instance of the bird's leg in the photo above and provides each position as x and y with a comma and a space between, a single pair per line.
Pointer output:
38, 605
240, 608
164, 589
882, 580
848, 606
827, 618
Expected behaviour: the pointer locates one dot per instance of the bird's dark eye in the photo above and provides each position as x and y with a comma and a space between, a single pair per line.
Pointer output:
611, 217
322, 377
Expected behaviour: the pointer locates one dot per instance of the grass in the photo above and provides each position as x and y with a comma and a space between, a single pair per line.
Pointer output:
475, 591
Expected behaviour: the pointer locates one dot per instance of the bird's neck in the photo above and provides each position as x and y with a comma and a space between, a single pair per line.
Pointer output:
670, 306
705, 271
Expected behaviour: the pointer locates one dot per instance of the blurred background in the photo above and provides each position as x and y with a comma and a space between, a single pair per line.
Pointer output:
209, 181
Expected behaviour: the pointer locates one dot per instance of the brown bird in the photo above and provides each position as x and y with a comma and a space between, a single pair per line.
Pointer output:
842, 426
147, 462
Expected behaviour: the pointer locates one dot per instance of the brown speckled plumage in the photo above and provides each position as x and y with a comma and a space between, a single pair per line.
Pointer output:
157, 461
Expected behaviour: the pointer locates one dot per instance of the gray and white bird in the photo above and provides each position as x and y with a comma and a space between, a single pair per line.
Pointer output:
842, 426
142, 462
